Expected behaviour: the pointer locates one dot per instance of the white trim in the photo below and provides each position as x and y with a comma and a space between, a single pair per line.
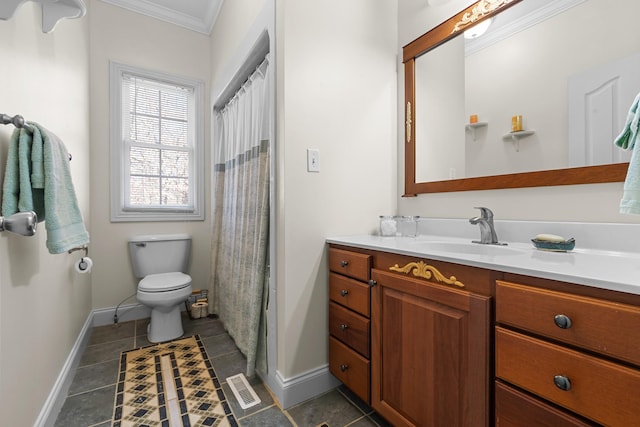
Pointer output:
99, 317
288, 391
104, 316
58, 394
521, 23
117, 175
202, 24
297, 389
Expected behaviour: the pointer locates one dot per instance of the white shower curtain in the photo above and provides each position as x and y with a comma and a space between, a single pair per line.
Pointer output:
239, 278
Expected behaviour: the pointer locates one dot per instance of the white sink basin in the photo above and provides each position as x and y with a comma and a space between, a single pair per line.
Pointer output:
468, 248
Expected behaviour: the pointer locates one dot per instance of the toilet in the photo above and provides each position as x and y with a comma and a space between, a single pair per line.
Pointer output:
161, 261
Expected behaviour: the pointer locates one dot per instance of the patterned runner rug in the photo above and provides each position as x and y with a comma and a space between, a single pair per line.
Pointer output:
170, 384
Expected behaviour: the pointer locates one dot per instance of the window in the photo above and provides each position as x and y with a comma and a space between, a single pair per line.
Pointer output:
157, 140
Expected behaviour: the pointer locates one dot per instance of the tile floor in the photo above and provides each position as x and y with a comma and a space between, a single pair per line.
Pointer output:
90, 399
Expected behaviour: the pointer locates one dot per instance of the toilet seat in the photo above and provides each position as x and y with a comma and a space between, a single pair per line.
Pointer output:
164, 282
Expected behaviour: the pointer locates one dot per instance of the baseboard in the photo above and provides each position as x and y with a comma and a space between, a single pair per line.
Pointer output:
99, 317
104, 316
58, 394
294, 390
288, 391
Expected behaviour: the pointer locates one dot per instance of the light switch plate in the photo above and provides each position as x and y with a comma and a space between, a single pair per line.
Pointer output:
313, 160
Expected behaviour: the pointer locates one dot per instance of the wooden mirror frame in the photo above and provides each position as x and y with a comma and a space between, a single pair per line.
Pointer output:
478, 12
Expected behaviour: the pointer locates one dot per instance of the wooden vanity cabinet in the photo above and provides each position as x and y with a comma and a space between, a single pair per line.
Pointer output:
349, 320
575, 352
423, 346
414, 344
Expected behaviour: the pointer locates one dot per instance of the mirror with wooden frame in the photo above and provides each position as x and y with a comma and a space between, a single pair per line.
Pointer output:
445, 33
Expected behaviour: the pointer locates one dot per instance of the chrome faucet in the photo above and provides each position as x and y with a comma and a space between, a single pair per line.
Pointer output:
487, 231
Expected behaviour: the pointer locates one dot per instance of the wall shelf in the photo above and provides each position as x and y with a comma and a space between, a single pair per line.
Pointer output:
515, 137
52, 11
472, 127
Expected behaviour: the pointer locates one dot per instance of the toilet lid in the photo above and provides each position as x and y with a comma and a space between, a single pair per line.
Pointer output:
163, 282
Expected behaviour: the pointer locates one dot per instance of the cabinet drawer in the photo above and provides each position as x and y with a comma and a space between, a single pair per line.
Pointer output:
599, 390
350, 368
350, 328
350, 264
598, 325
350, 293
517, 409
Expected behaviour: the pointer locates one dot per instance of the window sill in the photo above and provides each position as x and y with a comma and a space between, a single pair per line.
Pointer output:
156, 216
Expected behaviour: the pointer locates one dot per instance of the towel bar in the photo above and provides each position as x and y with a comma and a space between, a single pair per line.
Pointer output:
23, 223
19, 122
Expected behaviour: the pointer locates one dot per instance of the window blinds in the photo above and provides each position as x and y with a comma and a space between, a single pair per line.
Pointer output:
158, 132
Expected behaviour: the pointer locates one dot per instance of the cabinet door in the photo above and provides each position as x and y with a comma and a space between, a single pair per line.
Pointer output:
430, 353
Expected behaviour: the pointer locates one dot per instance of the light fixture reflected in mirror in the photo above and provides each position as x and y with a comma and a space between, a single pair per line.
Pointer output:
23, 223
478, 30
538, 176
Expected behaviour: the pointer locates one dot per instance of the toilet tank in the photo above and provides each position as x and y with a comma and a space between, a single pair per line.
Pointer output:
159, 253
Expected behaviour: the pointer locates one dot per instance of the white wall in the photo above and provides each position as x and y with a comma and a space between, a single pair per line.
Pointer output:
336, 92
133, 39
589, 203
528, 74
233, 23
43, 302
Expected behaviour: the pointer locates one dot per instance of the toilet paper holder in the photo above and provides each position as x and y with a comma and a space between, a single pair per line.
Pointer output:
84, 264
84, 248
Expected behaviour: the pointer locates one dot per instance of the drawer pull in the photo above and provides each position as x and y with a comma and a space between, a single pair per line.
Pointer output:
343, 368
562, 382
343, 327
344, 292
562, 321
344, 263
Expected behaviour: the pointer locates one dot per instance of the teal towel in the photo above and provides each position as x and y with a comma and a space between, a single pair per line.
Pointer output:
628, 140
65, 228
38, 178
631, 130
18, 195
11, 184
37, 173
37, 159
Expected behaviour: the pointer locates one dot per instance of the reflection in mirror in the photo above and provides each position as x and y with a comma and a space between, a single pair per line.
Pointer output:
440, 112
537, 60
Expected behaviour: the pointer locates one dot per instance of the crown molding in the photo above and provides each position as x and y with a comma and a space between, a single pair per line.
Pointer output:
531, 18
202, 24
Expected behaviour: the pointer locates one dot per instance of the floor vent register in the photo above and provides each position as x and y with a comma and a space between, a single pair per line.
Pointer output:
244, 393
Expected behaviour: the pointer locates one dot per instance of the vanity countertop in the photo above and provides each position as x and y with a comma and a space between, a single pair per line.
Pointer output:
618, 271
